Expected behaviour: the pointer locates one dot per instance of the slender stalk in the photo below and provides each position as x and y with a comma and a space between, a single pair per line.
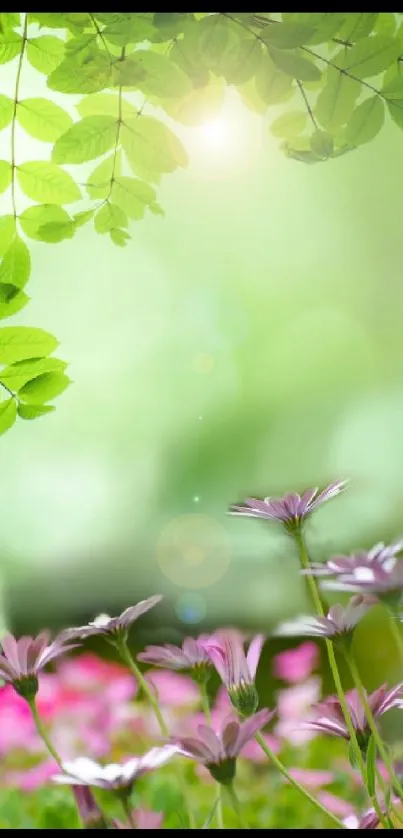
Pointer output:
371, 721
237, 806
305, 563
148, 693
43, 732
141, 681
397, 636
125, 801
282, 769
207, 713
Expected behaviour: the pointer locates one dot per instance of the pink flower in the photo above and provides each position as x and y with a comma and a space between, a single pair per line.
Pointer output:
312, 779
115, 776
22, 660
173, 689
237, 670
296, 665
340, 807
190, 656
294, 705
219, 751
292, 509
144, 819
113, 627
31, 778
17, 729
330, 718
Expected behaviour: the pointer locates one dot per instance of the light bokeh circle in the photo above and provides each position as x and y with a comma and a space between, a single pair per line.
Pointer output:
194, 551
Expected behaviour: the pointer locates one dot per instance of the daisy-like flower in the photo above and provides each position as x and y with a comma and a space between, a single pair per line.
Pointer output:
383, 582
22, 660
113, 628
219, 751
191, 656
292, 509
382, 556
115, 776
330, 717
339, 623
237, 670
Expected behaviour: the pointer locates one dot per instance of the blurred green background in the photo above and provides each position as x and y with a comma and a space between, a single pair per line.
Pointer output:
249, 342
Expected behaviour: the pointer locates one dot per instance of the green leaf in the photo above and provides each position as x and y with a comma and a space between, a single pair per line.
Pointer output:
217, 37
45, 53
336, 100
19, 342
122, 29
370, 765
10, 46
324, 24
81, 218
352, 756
7, 292
133, 196
110, 217
75, 76
43, 119
99, 181
105, 104
34, 218
365, 122
13, 306
44, 387
83, 44
289, 124
151, 146
294, 65
119, 237
74, 21
6, 111
385, 24
17, 375
15, 267
241, 62
56, 231
7, 232
34, 411
322, 144
357, 25
156, 74
8, 20
5, 175
287, 35
272, 85
85, 140
369, 57
47, 183
393, 93
8, 414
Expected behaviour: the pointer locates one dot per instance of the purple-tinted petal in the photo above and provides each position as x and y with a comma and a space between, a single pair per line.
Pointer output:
307, 497
37, 646
253, 508
277, 509
23, 644
55, 650
327, 727
291, 503
7, 671
218, 659
330, 492
251, 726
253, 656
210, 740
10, 650
229, 736
192, 747
146, 819
135, 611
391, 698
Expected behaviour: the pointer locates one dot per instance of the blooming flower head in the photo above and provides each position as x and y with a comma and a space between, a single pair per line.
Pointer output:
237, 670
219, 751
382, 556
330, 717
191, 656
292, 509
339, 623
113, 628
386, 583
22, 660
115, 776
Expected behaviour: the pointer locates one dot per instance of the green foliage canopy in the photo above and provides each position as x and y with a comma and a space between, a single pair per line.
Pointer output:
335, 77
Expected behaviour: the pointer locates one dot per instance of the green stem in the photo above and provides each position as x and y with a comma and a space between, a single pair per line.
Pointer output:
371, 721
237, 806
147, 691
397, 636
141, 681
207, 713
125, 801
43, 733
282, 769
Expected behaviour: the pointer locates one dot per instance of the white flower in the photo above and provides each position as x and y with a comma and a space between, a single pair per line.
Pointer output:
86, 772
